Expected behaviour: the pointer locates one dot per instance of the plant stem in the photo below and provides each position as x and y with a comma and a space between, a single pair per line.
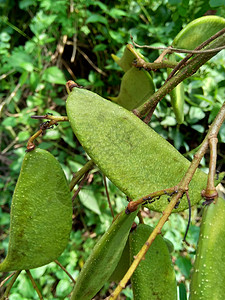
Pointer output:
211, 193
7, 291
192, 66
133, 205
79, 174
195, 51
6, 279
140, 63
81, 184
15, 28
146, 246
64, 269
50, 117
182, 63
141, 220
34, 284
46, 125
182, 187
107, 195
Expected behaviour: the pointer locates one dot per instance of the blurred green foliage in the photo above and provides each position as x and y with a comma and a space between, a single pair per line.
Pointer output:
44, 43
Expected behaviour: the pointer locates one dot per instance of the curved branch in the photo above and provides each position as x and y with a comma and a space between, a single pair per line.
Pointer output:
192, 66
178, 50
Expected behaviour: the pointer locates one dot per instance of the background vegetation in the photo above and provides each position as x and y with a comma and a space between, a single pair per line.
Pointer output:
44, 43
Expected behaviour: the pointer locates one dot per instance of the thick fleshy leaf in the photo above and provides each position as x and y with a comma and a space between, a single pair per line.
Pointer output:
131, 154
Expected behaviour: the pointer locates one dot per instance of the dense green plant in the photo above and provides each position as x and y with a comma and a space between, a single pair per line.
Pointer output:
38, 42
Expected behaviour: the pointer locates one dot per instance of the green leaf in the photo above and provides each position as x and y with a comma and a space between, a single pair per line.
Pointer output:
174, 2
177, 137
182, 11
100, 4
16, 297
27, 66
96, 18
117, 13
24, 4
184, 265
34, 80
195, 114
38, 272
52, 134
182, 292
88, 199
63, 288
23, 136
23, 78
25, 287
4, 37
45, 145
198, 128
41, 22
85, 29
99, 47
75, 166
169, 121
68, 137
214, 112
84, 82
9, 121
59, 102
216, 3
116, 36
222, 132
5, 218
54, 75
22, 60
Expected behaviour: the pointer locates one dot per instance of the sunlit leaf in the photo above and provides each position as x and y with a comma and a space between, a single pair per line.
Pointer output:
96, 18
54, 75
88, 199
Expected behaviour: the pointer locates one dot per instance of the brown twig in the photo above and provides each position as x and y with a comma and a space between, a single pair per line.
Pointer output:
133, 205
68, 68
141, 220
64, 269
189, 217
144, 249
147, 119
7, 291
192, 66
3, 76
74, 48
216, 49
107, 195
59, 49
182, 63
81, 184
162, 55
141, 63
43, 127
211, 193
91, 62
34, 284
157, 64
6, 279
